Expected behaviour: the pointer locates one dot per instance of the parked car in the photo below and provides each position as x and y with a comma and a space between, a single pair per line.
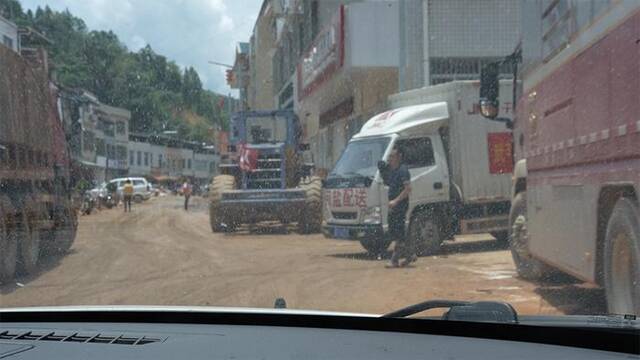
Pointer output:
141, 188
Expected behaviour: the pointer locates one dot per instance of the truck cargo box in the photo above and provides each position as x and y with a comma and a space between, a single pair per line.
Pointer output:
480, 156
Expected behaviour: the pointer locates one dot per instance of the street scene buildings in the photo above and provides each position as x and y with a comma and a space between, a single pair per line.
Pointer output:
336, 62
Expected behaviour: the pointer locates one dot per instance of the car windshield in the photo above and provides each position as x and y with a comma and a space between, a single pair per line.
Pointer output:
271, 129
360, 158
342, 155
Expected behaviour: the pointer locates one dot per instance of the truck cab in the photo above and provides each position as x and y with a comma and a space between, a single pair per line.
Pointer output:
460, 166
355, 198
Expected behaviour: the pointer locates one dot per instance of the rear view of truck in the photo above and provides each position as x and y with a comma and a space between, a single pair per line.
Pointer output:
36, 215
460, 167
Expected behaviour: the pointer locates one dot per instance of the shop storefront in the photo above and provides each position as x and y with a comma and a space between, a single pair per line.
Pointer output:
344, 78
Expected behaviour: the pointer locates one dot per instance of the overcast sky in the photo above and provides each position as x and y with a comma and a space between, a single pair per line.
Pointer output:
189, 32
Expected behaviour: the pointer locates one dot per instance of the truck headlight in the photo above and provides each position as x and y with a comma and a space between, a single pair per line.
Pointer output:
372, 215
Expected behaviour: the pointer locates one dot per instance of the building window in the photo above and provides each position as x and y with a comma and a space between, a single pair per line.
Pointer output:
131, 157
189, 163
159, 160
88, 141
146, 159
139, 158
101, 149
120, 128
7, 41
121, 152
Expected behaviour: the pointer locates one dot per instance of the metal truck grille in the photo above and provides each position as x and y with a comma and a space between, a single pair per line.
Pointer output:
93, 338
267, 174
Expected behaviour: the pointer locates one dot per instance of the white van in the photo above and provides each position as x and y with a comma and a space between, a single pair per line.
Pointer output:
141, 187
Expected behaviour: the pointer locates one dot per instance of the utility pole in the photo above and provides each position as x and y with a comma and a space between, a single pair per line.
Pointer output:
402, 58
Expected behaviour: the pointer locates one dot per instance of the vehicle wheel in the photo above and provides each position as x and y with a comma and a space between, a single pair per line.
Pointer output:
424, 233
311, 217
29, 238
137, 198
375, 246
64, 233
502, 237
220, 184
622, 258
8, 243
527, 267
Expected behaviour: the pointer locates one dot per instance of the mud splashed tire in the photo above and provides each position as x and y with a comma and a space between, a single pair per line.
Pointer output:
8, 243
622, 258
219, 185
311, 217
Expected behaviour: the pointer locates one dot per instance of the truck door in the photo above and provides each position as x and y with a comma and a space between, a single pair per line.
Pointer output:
429, 180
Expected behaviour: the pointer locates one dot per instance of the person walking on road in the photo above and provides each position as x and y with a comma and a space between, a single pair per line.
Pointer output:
127, 192
186, 192
396, 175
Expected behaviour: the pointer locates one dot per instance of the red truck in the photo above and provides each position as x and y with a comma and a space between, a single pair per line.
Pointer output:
36, 213
576, 182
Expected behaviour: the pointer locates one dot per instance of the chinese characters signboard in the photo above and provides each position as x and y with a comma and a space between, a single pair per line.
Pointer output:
500, 152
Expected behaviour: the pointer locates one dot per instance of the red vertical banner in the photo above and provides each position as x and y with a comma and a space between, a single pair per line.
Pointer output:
500, 152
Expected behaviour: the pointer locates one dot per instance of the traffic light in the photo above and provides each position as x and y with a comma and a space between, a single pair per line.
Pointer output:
230, 77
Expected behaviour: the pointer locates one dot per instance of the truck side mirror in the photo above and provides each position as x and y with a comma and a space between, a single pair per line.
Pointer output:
489, 90
304, 147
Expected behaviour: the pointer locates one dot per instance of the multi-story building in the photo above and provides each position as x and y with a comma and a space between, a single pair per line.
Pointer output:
446, 40
169, 160
97, 134
238, 76
336, 61
9, 36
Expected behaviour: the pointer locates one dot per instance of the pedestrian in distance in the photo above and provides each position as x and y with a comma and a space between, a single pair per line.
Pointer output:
127, 192
396, 175
186, 192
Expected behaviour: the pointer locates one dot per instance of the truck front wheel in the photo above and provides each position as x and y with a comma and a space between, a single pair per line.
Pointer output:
29, 241
376, 245
527, 267
424, 233
310, 220
622, 258
220, 184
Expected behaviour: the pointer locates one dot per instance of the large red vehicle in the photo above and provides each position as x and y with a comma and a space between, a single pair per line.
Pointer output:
36, 212
577, 143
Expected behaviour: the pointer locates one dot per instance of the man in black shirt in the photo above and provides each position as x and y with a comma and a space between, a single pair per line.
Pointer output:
398, 178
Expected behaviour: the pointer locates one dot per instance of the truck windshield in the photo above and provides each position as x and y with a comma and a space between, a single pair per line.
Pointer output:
261, 130
360, 158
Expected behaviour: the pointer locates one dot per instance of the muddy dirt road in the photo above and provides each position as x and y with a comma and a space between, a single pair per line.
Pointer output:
162, 255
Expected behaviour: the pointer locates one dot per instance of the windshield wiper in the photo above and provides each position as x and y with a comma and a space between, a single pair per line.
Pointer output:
483, 311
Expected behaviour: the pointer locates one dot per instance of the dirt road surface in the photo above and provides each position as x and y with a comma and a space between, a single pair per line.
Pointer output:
161, 255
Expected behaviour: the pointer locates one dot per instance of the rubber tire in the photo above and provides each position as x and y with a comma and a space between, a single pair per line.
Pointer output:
8, 243
623, 229
424, 232
375, 246
137, 198
219, 185
64, 233
527, 267
311, 219
29, 238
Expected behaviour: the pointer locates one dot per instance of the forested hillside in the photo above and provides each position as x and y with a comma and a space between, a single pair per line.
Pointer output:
159, 94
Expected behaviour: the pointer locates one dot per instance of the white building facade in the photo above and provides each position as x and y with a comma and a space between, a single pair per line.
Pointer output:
9, 34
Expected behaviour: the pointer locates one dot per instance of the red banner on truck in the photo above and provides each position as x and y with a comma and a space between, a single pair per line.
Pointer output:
500, 152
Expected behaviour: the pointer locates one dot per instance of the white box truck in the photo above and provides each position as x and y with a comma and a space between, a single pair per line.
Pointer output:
460, 167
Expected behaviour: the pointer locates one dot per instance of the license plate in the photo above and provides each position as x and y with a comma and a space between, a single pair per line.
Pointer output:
341, 233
